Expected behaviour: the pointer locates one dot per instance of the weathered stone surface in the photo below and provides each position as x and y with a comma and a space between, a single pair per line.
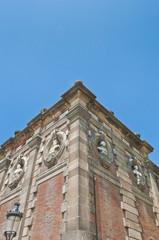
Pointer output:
131, 216
135, 234
129, 208
78, 235
78, 198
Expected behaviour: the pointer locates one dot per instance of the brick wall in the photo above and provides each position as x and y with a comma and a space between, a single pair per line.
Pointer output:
147, 220
47, 215
109, 213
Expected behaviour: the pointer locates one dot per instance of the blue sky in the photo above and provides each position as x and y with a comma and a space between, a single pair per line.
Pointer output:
112, 46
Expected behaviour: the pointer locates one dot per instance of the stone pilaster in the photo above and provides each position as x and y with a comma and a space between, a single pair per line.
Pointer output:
33, 144
154, 193
4, 164
128, 203
78, 217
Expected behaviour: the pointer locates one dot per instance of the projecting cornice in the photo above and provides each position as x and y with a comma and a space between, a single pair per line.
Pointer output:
133, 139
77, 94
78, 86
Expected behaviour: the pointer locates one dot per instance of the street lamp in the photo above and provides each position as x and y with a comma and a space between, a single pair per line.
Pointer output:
12, 223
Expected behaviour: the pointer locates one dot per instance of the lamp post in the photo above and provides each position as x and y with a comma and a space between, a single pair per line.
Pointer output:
12, 223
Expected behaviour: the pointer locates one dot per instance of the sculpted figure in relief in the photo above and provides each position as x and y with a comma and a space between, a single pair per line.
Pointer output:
136, 169
102, 148
54, 148
137, 174
17, 172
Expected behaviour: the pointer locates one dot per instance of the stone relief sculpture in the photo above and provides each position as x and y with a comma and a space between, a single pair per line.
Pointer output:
54, 148
17, 171
137, 172
102, 149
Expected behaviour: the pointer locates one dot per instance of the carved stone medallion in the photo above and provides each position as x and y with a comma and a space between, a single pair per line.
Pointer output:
137, 172
54, 148
102, 148
17, 171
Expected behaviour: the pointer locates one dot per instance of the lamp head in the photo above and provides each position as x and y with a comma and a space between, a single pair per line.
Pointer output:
12, 223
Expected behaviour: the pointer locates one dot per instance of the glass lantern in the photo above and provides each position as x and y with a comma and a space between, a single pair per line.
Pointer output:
12, 223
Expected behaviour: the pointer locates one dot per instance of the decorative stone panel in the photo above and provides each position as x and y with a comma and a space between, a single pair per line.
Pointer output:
17, 171
137, 173
102, 149
54, 148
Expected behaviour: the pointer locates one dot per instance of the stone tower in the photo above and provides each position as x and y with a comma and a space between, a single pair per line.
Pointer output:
79, 174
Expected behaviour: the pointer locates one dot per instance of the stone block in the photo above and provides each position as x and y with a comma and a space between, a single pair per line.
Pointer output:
131, 224
29, 211
125, 185
72, 211
127, 194
32, 204
64, 189
72, 224
157, 222
131, 216
29, 221
62, 228
128, 201
26, 238
65, 173
129, 208
134, 234
37, 131
126, 142
73, 135
40, 160
31, 197
78, 235
64, 207
116, 134
124, 177
25, 231
34, 189
155, 210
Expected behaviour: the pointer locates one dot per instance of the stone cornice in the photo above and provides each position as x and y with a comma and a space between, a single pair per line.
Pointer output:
11, 140
10, 195
78, 111
51, 172
78, 86
129, 135
78, 91
105, 173
142, 196
152, 167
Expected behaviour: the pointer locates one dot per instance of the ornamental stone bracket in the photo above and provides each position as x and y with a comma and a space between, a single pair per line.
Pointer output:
137, 172
54, 148
17, 171
102, 149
